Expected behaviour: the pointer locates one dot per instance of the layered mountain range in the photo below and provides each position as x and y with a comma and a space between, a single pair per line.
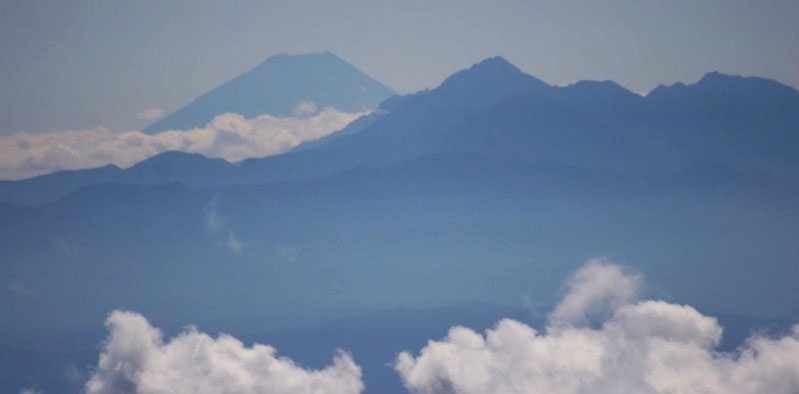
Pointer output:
482, 189
495, 110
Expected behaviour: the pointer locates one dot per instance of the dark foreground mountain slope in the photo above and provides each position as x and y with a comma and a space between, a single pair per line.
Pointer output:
277, 86
430, 231
746, 122
187, 168
45, 188
433, 230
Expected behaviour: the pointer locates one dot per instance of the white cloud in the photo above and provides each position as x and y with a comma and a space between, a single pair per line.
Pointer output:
136, 359
214, 221
641, 347
595, 291
233, 243
289, 253
305, 108
229, 136
150, 114
67, 248
18, 288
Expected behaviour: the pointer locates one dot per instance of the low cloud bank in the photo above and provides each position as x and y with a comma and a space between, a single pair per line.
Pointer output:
637, 346
229, 136
640, 347
136, 359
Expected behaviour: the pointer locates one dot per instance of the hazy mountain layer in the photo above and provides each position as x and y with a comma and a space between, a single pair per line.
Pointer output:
492, 187
495, 110
431, 231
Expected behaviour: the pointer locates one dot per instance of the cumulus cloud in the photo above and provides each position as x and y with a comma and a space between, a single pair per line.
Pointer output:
136, 359
641, 347
229, 136
594, 291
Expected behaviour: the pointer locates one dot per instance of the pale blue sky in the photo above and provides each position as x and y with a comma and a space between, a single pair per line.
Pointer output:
76, 64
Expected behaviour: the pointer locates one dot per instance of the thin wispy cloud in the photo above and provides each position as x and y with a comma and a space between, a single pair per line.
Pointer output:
229, 136
289, 253
216, 223
213, 220
150, 114
18, 288
233, 243
65, 247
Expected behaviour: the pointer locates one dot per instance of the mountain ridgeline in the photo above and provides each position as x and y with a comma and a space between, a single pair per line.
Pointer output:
492, 188
494, 109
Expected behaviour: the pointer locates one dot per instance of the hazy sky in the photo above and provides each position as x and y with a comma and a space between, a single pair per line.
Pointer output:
76, 64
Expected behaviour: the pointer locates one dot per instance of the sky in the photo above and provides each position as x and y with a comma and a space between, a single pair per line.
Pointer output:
80, 64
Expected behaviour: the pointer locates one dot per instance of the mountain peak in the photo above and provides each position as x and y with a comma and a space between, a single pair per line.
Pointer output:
496, 63
600, 88
489, 80
715, 77
494, 68
277, 85
173, 157
302, 57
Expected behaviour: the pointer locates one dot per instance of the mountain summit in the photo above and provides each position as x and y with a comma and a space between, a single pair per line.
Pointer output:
495, 70
487, 81
283, 85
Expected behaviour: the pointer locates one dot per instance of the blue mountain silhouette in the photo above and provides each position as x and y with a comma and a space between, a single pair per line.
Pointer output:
277, 86
496, 110
490, 187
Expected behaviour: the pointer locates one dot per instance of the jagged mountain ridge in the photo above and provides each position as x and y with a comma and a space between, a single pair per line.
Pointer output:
496, 110
463, 192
